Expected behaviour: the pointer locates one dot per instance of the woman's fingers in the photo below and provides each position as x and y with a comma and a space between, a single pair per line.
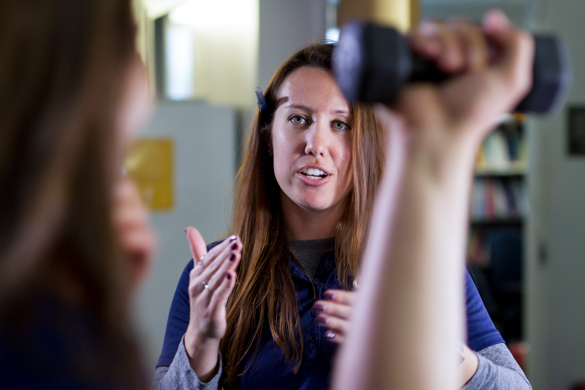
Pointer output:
196, 244
205, 276
207, 264
334, 313
338, 303
333, 309
217, 250
218, 277
220, 296
340, 296
204, 262
335, 337
228, 253
337, 328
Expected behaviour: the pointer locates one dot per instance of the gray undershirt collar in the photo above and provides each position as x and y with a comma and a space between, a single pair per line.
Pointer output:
309, 253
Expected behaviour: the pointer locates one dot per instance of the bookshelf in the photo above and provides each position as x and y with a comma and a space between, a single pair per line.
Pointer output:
498, 211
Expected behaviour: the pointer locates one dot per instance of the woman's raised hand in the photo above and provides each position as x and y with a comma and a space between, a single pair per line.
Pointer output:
334, 313
210, 283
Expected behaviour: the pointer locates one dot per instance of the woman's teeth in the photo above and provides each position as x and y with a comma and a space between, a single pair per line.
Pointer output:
314, 174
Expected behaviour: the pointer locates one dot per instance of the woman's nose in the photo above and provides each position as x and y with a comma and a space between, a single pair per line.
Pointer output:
317, 139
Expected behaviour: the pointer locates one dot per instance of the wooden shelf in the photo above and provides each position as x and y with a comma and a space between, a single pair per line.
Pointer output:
497, 222
513, 170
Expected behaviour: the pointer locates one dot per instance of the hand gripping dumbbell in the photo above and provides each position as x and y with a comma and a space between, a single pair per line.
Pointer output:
372, 63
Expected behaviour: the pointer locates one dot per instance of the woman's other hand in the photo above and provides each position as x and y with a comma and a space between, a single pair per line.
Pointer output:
210, 283
334, 313
136, 236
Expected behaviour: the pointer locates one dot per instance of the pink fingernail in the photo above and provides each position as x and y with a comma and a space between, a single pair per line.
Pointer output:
321, 320
328, 296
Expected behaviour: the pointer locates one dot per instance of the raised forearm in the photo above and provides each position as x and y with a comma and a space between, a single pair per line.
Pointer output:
409, 312
413, 267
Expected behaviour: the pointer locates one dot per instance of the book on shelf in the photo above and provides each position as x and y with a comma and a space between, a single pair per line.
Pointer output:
498, 199
503, 152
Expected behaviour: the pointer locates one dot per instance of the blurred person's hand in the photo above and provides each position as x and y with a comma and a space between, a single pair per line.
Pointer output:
492, 68
210, 284
137, 237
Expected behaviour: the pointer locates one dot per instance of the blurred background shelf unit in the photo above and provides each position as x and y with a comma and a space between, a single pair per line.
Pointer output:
498, 210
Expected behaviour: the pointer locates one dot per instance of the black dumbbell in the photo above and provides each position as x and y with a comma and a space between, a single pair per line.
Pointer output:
372, 63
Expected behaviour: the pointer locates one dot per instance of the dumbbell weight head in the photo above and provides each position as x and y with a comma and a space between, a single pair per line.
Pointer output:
372, 63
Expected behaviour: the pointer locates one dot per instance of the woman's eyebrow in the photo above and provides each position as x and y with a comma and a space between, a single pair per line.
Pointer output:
280, 101
341, 112
300, 106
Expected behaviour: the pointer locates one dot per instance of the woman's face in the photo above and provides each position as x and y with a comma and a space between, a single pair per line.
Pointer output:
311, 141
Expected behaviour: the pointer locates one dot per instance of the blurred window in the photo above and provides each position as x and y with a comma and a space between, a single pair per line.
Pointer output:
208, 51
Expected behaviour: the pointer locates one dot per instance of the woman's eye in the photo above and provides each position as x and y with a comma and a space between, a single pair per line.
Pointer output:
298, 120
337, 125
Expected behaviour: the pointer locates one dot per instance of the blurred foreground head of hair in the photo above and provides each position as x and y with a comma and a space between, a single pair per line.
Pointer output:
63, 291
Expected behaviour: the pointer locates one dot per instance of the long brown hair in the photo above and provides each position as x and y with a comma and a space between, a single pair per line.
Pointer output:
265, 292
63, 74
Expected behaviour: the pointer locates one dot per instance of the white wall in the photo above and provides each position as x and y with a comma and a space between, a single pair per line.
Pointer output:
204, 167
285, 26
555, 317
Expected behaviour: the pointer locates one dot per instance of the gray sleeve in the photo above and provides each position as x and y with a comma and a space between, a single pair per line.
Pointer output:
498, 370
180, 376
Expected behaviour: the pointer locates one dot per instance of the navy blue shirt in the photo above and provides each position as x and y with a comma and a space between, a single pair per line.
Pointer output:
269, 370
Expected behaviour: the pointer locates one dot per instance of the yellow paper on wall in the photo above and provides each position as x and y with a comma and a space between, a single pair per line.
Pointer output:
150, 165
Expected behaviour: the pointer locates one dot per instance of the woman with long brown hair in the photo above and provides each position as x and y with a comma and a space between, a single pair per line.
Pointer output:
303, 203
74, 240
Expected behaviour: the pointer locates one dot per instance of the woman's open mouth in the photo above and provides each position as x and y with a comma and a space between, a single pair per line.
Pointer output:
313, 173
